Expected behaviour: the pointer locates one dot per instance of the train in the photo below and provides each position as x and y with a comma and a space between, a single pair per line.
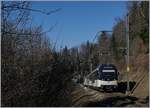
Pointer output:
106, 77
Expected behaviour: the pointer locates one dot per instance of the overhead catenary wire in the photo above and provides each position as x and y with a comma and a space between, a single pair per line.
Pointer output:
91, 55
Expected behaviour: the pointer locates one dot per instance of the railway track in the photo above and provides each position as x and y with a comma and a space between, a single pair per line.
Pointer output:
83, 97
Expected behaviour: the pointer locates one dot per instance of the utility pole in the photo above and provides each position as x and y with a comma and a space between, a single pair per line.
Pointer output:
127, 56
90, 64
91, 57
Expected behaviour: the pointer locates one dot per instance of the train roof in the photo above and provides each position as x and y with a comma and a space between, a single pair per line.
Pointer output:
101, 66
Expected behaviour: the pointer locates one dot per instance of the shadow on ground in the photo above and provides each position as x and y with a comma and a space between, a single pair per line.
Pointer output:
117, 101
122, 86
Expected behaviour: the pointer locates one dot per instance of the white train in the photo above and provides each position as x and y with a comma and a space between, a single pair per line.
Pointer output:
106, 77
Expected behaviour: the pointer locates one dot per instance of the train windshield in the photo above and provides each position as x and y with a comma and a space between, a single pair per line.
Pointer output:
108, 73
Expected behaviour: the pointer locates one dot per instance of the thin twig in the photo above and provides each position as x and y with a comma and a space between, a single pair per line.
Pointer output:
30, 9
11, 33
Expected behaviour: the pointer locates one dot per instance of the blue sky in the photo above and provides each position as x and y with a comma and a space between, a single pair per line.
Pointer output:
78, 21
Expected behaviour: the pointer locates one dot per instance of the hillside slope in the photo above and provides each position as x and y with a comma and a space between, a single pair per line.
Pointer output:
140, 74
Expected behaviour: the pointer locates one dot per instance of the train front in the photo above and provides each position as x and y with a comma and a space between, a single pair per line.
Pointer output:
107, 76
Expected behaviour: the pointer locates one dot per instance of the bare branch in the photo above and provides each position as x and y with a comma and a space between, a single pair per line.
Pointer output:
30, 9
41, 11
11, 33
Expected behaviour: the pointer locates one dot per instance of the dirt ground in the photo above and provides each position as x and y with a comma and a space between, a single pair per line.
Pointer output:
87, 97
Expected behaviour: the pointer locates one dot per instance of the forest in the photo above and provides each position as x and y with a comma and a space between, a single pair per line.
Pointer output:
34, 73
